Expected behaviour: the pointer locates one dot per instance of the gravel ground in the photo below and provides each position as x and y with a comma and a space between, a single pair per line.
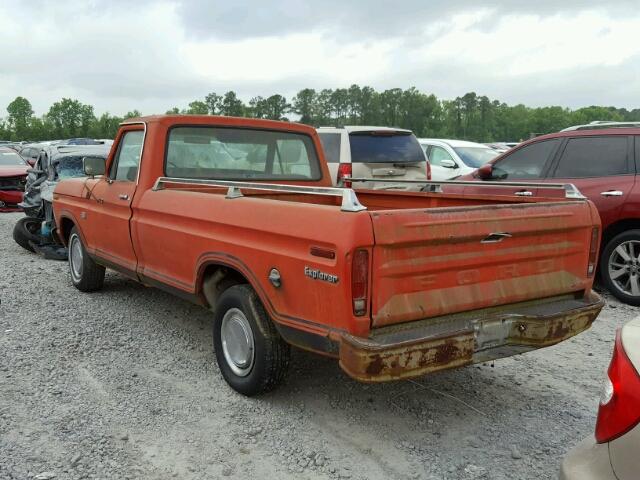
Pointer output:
123, 384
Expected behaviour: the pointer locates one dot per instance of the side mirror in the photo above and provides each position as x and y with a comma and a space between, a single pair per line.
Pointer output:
447, 163
31, 161
93, 166
485, 172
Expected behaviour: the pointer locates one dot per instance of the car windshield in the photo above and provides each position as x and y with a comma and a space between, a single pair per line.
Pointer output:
11, 159
475, 157
385, 147
69, 167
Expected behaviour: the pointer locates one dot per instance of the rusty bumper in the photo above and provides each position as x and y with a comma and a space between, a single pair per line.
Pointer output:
427, 346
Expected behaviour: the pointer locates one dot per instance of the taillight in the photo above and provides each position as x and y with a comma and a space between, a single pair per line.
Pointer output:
593, 252
360, 281
619, 408
344, 173
428, 171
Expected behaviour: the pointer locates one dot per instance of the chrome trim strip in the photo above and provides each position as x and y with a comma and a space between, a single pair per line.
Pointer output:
350, 202
571, 191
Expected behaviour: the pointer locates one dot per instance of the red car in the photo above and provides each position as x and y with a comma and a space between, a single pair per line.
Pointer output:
604, 165
13, 176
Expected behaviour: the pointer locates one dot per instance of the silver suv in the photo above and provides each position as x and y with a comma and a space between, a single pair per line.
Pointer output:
379, 153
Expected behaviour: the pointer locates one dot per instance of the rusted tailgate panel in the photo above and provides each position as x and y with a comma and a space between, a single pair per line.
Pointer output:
439, 261
406, 351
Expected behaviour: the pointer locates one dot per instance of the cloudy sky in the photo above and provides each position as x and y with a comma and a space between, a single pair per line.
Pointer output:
153, 55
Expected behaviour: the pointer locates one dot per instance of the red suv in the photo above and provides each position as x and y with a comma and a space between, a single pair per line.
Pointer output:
604, 165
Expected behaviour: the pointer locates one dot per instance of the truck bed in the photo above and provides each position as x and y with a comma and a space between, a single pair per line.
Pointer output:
436, 254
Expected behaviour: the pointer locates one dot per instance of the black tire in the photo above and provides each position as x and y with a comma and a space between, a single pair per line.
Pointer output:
616, 285
25, 230
270, 359
86, 275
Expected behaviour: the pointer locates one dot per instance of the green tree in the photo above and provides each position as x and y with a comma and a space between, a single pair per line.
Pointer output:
214, 103
303, 103
231, 105
20, 116
258, 107
276, 106
70, 118
132, 114
197, 107
106, 126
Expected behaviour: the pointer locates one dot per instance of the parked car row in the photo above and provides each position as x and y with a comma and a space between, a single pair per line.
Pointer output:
17, 157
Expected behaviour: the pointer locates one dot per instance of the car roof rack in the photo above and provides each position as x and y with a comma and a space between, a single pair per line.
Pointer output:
350, 202
570, 190
602, 124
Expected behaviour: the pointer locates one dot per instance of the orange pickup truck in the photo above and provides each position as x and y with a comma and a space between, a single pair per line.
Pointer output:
239, 216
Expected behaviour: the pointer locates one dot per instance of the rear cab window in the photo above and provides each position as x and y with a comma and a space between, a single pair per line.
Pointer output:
385, 147
204, 152
585, 157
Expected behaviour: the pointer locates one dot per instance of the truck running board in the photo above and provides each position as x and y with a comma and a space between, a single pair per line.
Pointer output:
350, 202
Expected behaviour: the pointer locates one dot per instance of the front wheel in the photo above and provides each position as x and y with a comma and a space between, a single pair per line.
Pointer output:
250, 353
620, 267
86, 275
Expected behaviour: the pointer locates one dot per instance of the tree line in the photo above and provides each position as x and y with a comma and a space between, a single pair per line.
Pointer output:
470, 117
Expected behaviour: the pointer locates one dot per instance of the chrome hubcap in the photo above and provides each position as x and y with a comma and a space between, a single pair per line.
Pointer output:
624, 267
75, 258
237, 342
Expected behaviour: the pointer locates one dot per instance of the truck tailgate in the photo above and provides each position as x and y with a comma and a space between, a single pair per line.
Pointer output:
438, 261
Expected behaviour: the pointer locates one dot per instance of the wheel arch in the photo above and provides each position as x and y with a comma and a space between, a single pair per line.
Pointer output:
617, 228
65, 225
215, 274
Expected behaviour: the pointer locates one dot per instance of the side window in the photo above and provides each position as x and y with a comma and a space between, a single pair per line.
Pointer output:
526, 162
331, 146
593, 157
128, 157
437, 154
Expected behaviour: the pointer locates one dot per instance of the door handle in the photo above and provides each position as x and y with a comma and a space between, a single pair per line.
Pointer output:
524, 193
612, 193
123, 196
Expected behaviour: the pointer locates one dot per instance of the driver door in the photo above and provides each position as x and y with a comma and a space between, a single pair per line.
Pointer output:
111, 199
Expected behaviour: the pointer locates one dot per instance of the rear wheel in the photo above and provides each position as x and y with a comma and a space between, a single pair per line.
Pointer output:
27, 230
620, 267
86, 275
250, 353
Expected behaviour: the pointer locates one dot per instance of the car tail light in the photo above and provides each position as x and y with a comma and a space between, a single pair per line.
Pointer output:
344, 173
428, 170
593, 252
619, 408
360, 281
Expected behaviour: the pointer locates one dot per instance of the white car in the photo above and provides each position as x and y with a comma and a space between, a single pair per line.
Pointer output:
451, 158
373, 152
614, 452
